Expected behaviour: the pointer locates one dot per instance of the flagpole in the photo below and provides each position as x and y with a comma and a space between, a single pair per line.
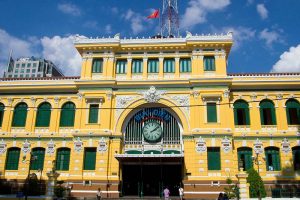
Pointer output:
160, 25
9, 61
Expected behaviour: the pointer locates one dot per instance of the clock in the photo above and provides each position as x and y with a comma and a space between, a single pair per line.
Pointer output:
152, 131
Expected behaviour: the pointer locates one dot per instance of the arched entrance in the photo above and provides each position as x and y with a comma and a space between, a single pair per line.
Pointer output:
153, 152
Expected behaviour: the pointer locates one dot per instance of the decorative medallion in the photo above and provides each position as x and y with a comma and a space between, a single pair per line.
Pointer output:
285, 144
183, 101
152, 95
201, 145
50, 147
226, 144
122, 102
258, 146
26, 147
102, 145
226, 93
2, 147
78, 144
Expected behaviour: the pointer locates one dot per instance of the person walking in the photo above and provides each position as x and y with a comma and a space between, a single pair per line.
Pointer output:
99, 194
166, 193
180, 193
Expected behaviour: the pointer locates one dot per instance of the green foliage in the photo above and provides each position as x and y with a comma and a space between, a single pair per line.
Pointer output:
231, 190
256, 184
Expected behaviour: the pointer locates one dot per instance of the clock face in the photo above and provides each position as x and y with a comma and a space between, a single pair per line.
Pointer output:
152, 131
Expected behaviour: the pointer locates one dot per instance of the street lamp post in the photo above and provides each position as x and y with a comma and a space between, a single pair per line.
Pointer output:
32, 158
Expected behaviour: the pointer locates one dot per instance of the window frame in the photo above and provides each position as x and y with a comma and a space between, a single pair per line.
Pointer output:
214, 164
157, 67
61, 164
9, 165
212, 63
97, 69
88, 164
167, 68
118, 71
38, 123
17, 114
189, 67
63, 112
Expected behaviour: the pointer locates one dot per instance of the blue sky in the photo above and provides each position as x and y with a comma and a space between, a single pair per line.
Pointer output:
266, 32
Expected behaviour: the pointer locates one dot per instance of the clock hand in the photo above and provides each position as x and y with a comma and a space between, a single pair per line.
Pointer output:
154, 129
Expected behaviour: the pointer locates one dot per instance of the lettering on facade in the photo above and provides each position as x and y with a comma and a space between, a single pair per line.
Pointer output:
26, 146
102, 145
286, 148
2, 147
201, 145
226, 144
78, 145
50, 147
258, 147
155, 113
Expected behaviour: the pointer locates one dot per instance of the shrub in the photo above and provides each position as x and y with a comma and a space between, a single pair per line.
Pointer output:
256, 184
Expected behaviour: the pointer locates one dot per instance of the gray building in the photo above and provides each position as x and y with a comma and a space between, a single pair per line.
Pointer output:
30, 68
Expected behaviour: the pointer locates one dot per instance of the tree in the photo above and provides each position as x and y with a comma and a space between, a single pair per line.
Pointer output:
231, 190
256, 184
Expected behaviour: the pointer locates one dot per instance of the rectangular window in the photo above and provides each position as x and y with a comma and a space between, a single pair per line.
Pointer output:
29, 64
21, 76
17, 65
22, 70
15, 76
16, 71
63, 159
169, 65
23, 65
211, 112
97, 66
12, 159
34, 65
89, 159
27, 75
137, 66
185, 65
293, 116
121, 67
153, 66
33, 70
209, 63
40, 67
27, 70
213, 158
93, 113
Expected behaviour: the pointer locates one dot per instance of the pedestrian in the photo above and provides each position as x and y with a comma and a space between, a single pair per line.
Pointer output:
225, 197
220, 197
99, 194
181, 193
166, 193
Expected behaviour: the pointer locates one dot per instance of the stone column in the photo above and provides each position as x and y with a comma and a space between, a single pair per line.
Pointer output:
52, 178
243, 185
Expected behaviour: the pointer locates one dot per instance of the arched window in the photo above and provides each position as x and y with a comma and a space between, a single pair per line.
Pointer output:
43, 115
20, 115
245, 157
267, 113
67, 115
12, 158
241, 113
1, 113
63, 159
272, 159
293, 112
296, 158
37, 159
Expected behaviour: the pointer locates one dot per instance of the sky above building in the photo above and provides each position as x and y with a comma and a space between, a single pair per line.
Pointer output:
266, 32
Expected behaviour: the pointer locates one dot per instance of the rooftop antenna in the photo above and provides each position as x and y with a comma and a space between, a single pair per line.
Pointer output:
170, 19
10, 61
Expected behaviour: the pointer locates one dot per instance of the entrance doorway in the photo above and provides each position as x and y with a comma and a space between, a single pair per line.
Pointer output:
151, 179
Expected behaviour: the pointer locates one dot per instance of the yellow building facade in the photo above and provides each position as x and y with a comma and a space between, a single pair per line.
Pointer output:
151, 113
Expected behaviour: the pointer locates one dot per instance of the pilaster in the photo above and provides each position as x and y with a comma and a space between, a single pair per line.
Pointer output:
129, 68
161, 68
177, 67
145, 68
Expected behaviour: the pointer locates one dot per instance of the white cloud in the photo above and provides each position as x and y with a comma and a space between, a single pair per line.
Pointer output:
137, 21
20, 47
61, 51
262, 11
197, 11
69, 9
108, 29
289, 61
270, 37
249, 2
240, 34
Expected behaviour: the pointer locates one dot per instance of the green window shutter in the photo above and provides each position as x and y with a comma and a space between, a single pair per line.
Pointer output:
293, 112
38, 158
63, 159
272, 159
67, 115
43, 115
20, 115
267, 113
169, 66
89, 159
211, 112
153, 66
1, 114
209, 63
273, 114
121, 67
97, 66
12, 159
93, 114
137, 66
213, 158
241, 106
185, 65
245, 155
